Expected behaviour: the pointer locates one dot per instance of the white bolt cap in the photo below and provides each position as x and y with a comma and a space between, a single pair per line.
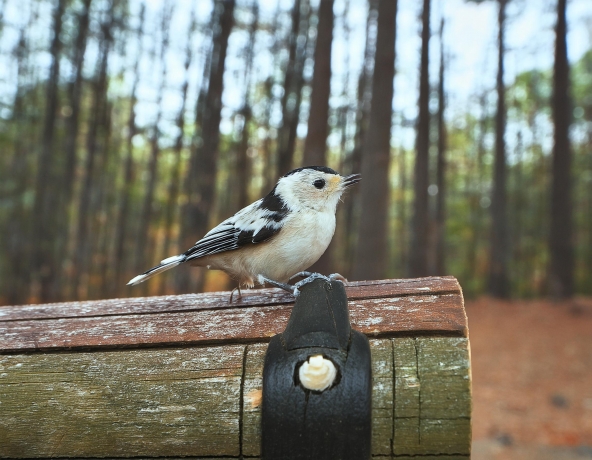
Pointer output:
317, 374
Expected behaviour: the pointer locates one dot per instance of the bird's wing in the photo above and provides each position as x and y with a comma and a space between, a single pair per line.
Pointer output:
251, 225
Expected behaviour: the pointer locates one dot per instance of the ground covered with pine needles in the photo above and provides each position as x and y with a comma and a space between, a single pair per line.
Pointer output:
532, 379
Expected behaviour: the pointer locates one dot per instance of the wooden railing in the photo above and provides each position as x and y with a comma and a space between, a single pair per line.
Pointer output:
181, 375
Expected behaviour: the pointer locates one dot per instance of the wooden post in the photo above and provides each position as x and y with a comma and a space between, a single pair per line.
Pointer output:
181, 375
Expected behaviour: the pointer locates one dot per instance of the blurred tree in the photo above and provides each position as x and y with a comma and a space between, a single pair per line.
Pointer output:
16, 233
93, 93
561, 266
75, 97
353, 162
44, 230
173, 188
74, 90
123, 219
372, 254
201, 175
315, 145
2, 6
418, 264
243, 164
293, 83
582, 94
147, 212
439, 267
498, 262
97, 127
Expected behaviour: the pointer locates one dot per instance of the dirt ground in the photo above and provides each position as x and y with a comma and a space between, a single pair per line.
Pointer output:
532, 379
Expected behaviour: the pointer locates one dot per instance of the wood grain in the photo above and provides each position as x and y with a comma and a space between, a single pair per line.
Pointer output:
378, 309
187, 401
356, 290
153, 403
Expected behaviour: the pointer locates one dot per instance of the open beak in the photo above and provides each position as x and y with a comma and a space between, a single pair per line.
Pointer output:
351, 180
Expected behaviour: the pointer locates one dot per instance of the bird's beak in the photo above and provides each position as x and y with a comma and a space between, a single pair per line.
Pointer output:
348, 181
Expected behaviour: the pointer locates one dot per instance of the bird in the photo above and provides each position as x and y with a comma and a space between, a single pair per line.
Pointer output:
275, 238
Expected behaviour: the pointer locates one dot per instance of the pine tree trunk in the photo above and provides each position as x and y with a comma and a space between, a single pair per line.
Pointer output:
270, 160
72, 133
142, 239
44, 227
2, 6
174, 183
123, 218
243, 161
498, 268
372, 249
440, 267
15, 234
354, 160
476, 213
201, 178
419, 234
402, 211
99, 102
75, 96
315, 145
293, 83
561, 269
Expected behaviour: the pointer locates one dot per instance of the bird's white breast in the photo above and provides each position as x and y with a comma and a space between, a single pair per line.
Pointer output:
304, 237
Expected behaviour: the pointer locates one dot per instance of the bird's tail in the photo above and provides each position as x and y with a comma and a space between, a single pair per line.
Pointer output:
165, 264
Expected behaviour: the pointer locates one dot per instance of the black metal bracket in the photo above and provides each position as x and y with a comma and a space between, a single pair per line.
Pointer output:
303, 424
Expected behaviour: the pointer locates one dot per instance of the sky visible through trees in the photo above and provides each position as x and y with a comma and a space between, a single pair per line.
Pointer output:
110, 159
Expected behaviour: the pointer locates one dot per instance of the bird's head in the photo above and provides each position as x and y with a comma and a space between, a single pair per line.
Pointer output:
314, 187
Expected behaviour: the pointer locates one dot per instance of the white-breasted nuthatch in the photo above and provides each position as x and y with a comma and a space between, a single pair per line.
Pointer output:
274, 238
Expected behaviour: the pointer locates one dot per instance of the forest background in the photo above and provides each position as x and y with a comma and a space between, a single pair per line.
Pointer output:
129, 128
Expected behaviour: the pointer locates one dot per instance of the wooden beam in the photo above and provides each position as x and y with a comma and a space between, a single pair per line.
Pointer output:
205, 401
180, 376
386, 308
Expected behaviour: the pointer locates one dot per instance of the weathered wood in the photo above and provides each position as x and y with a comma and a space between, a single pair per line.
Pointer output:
389, 308
253, 383
186, 401
135, 403
433, 396
195, 399
356, 290
382, 396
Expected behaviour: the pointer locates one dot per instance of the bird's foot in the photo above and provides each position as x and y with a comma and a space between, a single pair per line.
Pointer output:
239, 296
285, 286
308, 278
300, 275
332, 277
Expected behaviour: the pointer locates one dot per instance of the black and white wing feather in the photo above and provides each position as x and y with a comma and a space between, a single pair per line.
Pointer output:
254, 224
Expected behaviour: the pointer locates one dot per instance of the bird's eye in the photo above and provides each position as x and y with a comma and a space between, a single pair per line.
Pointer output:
319, 183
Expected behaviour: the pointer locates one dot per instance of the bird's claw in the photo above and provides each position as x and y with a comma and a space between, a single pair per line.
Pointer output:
308, 278
285, 286
301, 275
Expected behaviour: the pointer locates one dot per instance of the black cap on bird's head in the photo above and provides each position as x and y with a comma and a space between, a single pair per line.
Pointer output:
324, 169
